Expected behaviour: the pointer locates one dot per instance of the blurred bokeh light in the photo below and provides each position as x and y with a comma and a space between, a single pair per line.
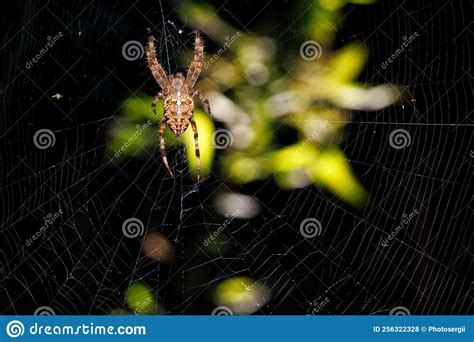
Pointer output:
242, 295
157, 247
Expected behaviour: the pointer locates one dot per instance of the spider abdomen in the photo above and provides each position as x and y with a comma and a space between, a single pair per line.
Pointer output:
178, 111
178, 92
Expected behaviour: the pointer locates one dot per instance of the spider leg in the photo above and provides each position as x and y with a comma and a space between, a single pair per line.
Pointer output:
196, 65
204, 100
155, 66
158, 96
162, 144
196, 147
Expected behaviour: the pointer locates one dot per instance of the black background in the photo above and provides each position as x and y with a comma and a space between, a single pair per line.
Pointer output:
85, 265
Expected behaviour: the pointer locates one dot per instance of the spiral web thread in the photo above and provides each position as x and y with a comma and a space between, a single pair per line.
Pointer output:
83, 263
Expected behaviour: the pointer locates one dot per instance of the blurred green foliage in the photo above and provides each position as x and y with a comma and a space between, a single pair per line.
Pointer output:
257, 88
141, 299
253, 95
241, 294
136, 131
254, 90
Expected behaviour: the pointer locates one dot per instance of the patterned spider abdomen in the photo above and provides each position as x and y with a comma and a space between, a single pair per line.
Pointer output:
179, 108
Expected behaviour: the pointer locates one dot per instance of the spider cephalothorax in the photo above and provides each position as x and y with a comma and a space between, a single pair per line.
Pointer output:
178, 93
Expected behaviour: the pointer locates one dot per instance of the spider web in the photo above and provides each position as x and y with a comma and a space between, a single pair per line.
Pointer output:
83, 264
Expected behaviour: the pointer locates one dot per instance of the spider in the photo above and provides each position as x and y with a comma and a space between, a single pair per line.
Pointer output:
178, 93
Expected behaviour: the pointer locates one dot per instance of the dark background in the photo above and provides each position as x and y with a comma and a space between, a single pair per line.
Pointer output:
84, 265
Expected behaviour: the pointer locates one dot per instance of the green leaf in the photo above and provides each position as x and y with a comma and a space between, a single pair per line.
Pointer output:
347, 63
140, 299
